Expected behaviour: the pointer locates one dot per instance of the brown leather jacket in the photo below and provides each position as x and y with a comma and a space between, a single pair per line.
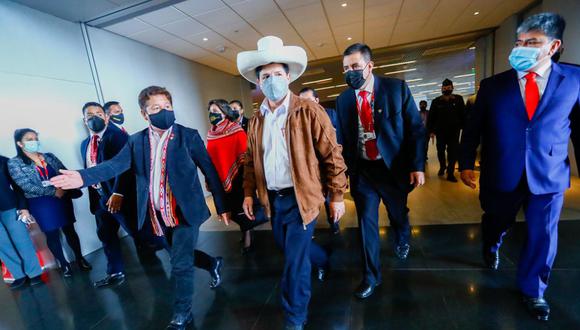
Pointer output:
316, 162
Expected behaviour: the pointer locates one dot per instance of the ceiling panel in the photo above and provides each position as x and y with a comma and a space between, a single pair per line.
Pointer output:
185, 27
152, 36
128, 27
199, 7
163, 16
183, 49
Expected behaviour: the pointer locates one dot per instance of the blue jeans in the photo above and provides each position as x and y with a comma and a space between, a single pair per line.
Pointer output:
295, 240
16, 248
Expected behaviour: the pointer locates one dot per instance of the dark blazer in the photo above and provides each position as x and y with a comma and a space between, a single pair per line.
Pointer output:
244, 123
446, 116
332, 115
400, 132
11, 196
112, 142
512, 144
186, 153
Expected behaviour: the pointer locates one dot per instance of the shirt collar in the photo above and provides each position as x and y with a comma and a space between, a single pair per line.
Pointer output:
265, 108
542, 71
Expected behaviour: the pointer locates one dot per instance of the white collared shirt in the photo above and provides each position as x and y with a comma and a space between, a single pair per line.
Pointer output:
157, 148
276, 159
370, 89
542, 76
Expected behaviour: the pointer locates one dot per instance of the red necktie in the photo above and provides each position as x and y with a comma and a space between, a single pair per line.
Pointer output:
366, 119
532, 94
94, 148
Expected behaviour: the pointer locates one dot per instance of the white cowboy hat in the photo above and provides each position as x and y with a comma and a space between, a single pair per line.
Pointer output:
272, 50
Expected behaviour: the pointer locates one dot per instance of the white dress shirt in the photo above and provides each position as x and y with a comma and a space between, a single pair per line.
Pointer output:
276, 159
90, 163
157, 148
542, 76
370, 89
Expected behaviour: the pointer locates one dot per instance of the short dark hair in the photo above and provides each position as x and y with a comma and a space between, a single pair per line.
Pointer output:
422, 101
259, 69
551, 24
225, 108
92, 104
238, 102
363, 49
108, 105
18, 135
151, 91
447, 82
308, 89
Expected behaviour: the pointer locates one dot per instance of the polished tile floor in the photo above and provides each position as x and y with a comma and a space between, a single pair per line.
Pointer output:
441, 286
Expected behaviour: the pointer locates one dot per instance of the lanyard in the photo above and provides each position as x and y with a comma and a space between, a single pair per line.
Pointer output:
43, 176
370, 127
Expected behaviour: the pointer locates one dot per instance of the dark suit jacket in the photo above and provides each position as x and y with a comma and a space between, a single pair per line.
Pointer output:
400, 132
112, 142
186, 153
446, 116
512, 145
11, 196
244, 123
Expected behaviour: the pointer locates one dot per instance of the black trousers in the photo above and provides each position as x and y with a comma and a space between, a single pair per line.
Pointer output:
375, 183
448, 141
181, 242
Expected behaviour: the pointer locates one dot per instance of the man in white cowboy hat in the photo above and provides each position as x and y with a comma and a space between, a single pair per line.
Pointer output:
293, 160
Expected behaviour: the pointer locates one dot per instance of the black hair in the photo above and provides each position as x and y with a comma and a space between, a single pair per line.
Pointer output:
447, 82
551, 24
363, 49
92, 104
259, 69
308, 89
107, 106
18, 135
225, 108
422, 101
238, 102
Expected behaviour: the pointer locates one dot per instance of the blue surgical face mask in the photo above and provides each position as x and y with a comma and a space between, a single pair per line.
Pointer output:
32, 146
275, 88
524, 58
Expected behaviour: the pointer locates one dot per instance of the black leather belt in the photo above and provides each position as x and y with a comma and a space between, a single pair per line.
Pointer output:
282, 192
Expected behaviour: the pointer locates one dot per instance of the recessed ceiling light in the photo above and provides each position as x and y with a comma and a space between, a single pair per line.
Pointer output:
348, 38
344, 4
472, 48
476, 13
205, 39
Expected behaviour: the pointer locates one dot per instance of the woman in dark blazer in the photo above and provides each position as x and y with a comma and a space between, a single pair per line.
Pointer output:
51, 207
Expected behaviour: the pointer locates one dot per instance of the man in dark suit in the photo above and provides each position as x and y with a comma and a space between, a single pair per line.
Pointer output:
446, 117
237, 105
165, 158
524, 118
112, 202
383, 143
310, 93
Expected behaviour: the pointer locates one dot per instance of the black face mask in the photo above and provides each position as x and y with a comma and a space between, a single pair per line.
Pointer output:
354, 78
96, 124
447, 92
118, 119
163, 119
215, 118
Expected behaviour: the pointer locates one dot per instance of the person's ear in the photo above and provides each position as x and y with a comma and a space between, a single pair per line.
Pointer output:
371, 65
20, 144
555, 46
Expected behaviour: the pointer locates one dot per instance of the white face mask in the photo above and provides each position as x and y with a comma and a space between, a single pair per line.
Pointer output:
275, 88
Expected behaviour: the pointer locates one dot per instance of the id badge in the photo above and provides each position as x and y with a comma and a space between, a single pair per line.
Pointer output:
368, 136
46, 183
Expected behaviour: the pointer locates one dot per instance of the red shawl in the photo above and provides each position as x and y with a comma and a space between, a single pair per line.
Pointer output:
226, 145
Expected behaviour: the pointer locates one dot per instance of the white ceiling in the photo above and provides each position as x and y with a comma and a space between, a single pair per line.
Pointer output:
212, 32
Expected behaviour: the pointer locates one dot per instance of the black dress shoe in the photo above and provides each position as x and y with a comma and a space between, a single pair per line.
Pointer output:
451, 178
402, 251
36, 280
365, 290
110, 280
335, 228
84, 264
66, 270
322, 273
17, 283
441, 171
491, 259
538, 307
216, 273
180, 321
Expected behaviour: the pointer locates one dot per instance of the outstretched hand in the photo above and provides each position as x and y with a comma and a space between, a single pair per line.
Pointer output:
67, 180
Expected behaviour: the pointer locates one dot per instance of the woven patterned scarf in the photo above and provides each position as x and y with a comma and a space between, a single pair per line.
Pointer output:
167, 203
